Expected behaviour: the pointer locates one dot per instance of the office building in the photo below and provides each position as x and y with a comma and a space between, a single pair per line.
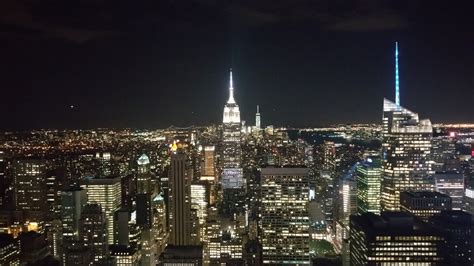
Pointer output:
424, 204
394, 238
129, 188
181, 255
144, 176
457, 227
77, 254
73, 201
125, 255
9, 253
104, 164
199, 203
180, 176
105, 192
33, 247
406, 150
285, 216
31, 191
468, 204
93, 231
369, 175
209, 164
451, 183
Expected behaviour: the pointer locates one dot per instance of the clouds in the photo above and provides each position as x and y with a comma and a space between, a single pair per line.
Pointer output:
21, 19
374, 23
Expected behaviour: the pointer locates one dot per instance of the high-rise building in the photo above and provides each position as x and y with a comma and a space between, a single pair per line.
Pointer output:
5, 182
257, 119
93, 231
406, 148
468, 201
104, 165
394, 238
30, 190
181, 255
159, 228
144, 176
209, 167
369, 175
180, 176
347, 205
457, 227
451, 183
9, 253
199, 204
125, 255
232, 176
73, 201
77, 254
424, 204
129, 188
33, 247
285, 216
106, 193
53, 196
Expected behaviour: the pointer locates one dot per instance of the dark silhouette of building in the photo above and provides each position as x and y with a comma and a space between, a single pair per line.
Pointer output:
457, 227
424, 204
394, 237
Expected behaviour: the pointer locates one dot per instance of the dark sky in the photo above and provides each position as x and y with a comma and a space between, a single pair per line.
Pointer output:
151, 64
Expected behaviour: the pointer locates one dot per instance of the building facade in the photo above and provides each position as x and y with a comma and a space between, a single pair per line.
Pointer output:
284, 216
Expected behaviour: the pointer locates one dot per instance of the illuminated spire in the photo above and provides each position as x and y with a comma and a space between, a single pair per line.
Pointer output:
257, 118
231, 90
397, 82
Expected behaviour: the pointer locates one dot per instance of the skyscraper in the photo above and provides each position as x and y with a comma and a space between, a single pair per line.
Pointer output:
451, 183
369, 174
257, 119
285, 216
406, 149
424, 204
106, 193
394, 238
72, 203
30, 190
457, 227
209, 168
144, 175
180, 176
232, 176
93, 231
144, 193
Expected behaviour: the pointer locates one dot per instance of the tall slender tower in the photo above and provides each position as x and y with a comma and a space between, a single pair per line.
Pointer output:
257, 118
180, 176
397, 80
232, 151
406, 151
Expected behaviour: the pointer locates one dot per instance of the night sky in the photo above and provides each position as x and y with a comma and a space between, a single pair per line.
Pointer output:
152, 64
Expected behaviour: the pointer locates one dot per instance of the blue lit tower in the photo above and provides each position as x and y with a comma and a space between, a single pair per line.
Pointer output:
397, 80
406, 150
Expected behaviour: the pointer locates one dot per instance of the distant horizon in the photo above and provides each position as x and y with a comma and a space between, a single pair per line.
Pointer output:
445, 124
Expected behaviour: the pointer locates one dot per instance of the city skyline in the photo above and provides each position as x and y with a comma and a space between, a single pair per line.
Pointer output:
131, 73
210, 132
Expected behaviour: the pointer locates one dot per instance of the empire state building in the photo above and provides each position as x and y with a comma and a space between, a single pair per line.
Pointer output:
232, 151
